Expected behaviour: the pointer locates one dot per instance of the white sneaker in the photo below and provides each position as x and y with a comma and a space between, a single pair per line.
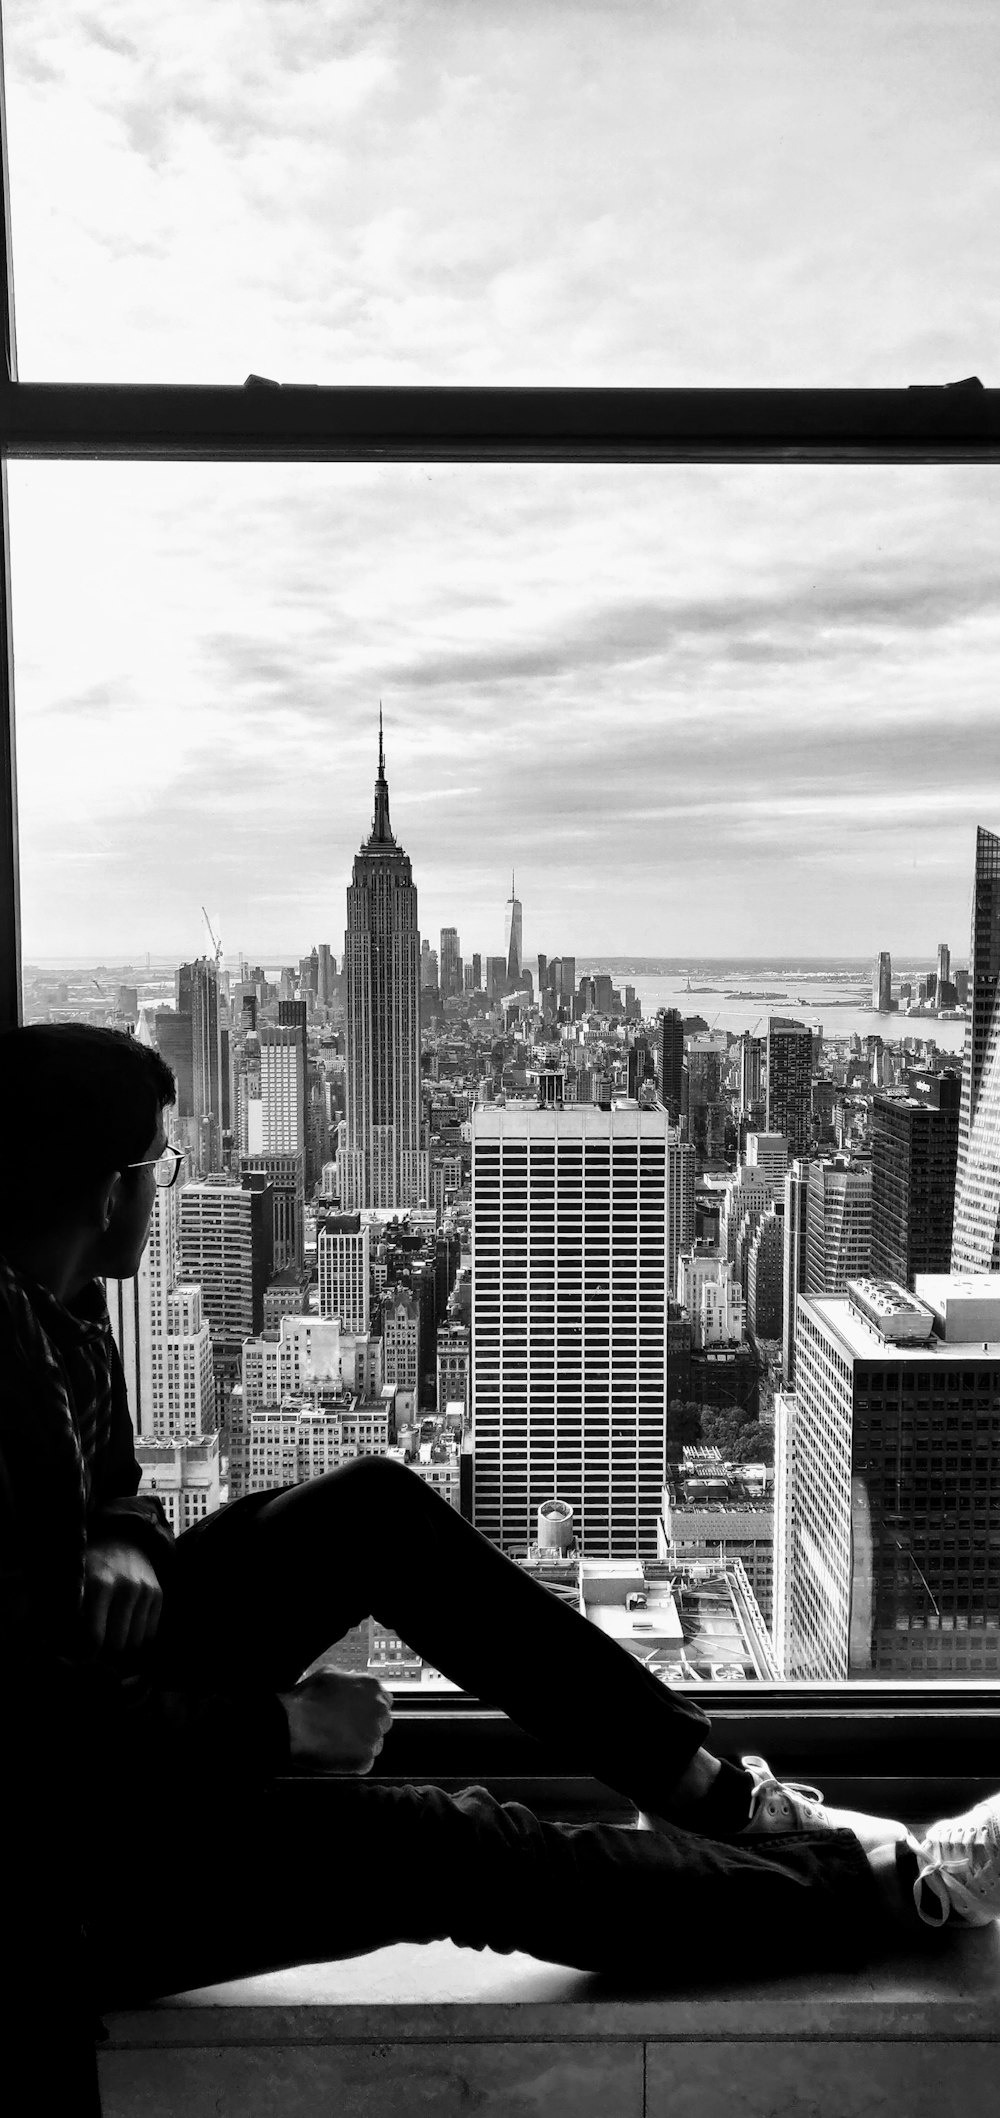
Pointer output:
781, 1805
958, 1873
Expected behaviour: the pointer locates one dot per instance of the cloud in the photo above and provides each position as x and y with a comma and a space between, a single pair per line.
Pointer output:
666, 690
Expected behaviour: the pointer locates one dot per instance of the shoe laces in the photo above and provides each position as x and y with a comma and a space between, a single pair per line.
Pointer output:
972, 1845
786, 1794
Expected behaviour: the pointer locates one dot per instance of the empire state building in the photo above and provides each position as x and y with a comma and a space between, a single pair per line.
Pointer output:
382, 1164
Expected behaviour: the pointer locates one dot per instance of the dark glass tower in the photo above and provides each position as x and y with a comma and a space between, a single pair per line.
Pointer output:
672, 1062
914, 1156
789, 1082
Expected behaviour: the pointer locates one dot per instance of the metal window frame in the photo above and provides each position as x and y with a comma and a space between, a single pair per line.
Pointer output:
879, 1729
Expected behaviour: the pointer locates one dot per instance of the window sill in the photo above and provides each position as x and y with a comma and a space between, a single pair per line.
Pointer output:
922, 1737
438, 2027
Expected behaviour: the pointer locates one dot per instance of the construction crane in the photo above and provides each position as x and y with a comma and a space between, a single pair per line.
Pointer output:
113, 1005
217, 945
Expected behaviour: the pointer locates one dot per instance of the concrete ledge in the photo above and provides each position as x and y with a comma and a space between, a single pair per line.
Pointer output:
439, 2029
949, 1990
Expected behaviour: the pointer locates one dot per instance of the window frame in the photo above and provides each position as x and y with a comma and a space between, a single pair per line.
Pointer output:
857, 1730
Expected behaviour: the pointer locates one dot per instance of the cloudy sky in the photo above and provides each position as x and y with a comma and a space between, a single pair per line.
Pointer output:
698, 710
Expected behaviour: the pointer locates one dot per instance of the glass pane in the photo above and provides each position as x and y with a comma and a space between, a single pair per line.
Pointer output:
688, 766
579, 191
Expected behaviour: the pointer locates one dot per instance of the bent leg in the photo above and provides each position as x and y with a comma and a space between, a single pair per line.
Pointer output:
315, 1559
415, 1864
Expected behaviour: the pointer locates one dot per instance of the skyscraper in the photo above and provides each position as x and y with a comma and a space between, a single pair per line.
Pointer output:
344, 1265
976, 1235
681, 1210
326, 974
164, 1344
512, 936
198, 997
283, 1082
569, 1367
672, 1062
382, 1162
751, 1075
838, 1223
914, 1155
879, 1570
193, 1041
789, 1082
226, 1249
882, 982
450, 962
764, 1275
793, 1265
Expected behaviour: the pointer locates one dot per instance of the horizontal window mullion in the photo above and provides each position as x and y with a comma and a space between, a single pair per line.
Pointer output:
262, 421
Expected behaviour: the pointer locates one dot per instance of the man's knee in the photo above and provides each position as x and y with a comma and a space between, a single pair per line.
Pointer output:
378, 1481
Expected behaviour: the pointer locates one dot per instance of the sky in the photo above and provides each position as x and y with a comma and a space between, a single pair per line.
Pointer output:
709, 710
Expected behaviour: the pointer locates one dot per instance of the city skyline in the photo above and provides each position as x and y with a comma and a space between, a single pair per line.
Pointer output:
700, 708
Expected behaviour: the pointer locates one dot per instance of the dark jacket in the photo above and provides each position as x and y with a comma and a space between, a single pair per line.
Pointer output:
86, 1745
105, 1711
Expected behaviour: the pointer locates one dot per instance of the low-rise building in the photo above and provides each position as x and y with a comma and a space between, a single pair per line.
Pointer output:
185, 1475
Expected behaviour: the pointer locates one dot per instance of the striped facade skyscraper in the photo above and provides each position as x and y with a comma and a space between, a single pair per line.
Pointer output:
975, 1245
382, 1163
571, 1226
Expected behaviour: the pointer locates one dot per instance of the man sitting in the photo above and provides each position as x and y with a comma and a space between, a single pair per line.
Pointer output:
145, 1676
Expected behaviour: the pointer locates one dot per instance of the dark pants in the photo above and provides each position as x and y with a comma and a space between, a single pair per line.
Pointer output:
260, 1590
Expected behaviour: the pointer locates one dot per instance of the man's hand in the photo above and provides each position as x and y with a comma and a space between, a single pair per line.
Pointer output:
122, 1598
337, 1722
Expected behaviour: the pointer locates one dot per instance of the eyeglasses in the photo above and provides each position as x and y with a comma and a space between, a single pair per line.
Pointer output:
166, 1167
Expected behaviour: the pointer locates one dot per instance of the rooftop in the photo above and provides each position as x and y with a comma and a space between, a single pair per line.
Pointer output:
570, 1121
863, 1341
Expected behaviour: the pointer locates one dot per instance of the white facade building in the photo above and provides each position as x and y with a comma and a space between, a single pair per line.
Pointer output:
749, 1191
302, 1438
766, 1154
162, 1338
282, 1089
708, 1289
569, 1321
838, 1223
184, 1475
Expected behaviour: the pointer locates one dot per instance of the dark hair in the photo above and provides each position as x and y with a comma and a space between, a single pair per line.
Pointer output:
76, 1103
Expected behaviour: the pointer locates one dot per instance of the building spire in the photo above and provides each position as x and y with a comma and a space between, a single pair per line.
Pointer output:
381, 827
